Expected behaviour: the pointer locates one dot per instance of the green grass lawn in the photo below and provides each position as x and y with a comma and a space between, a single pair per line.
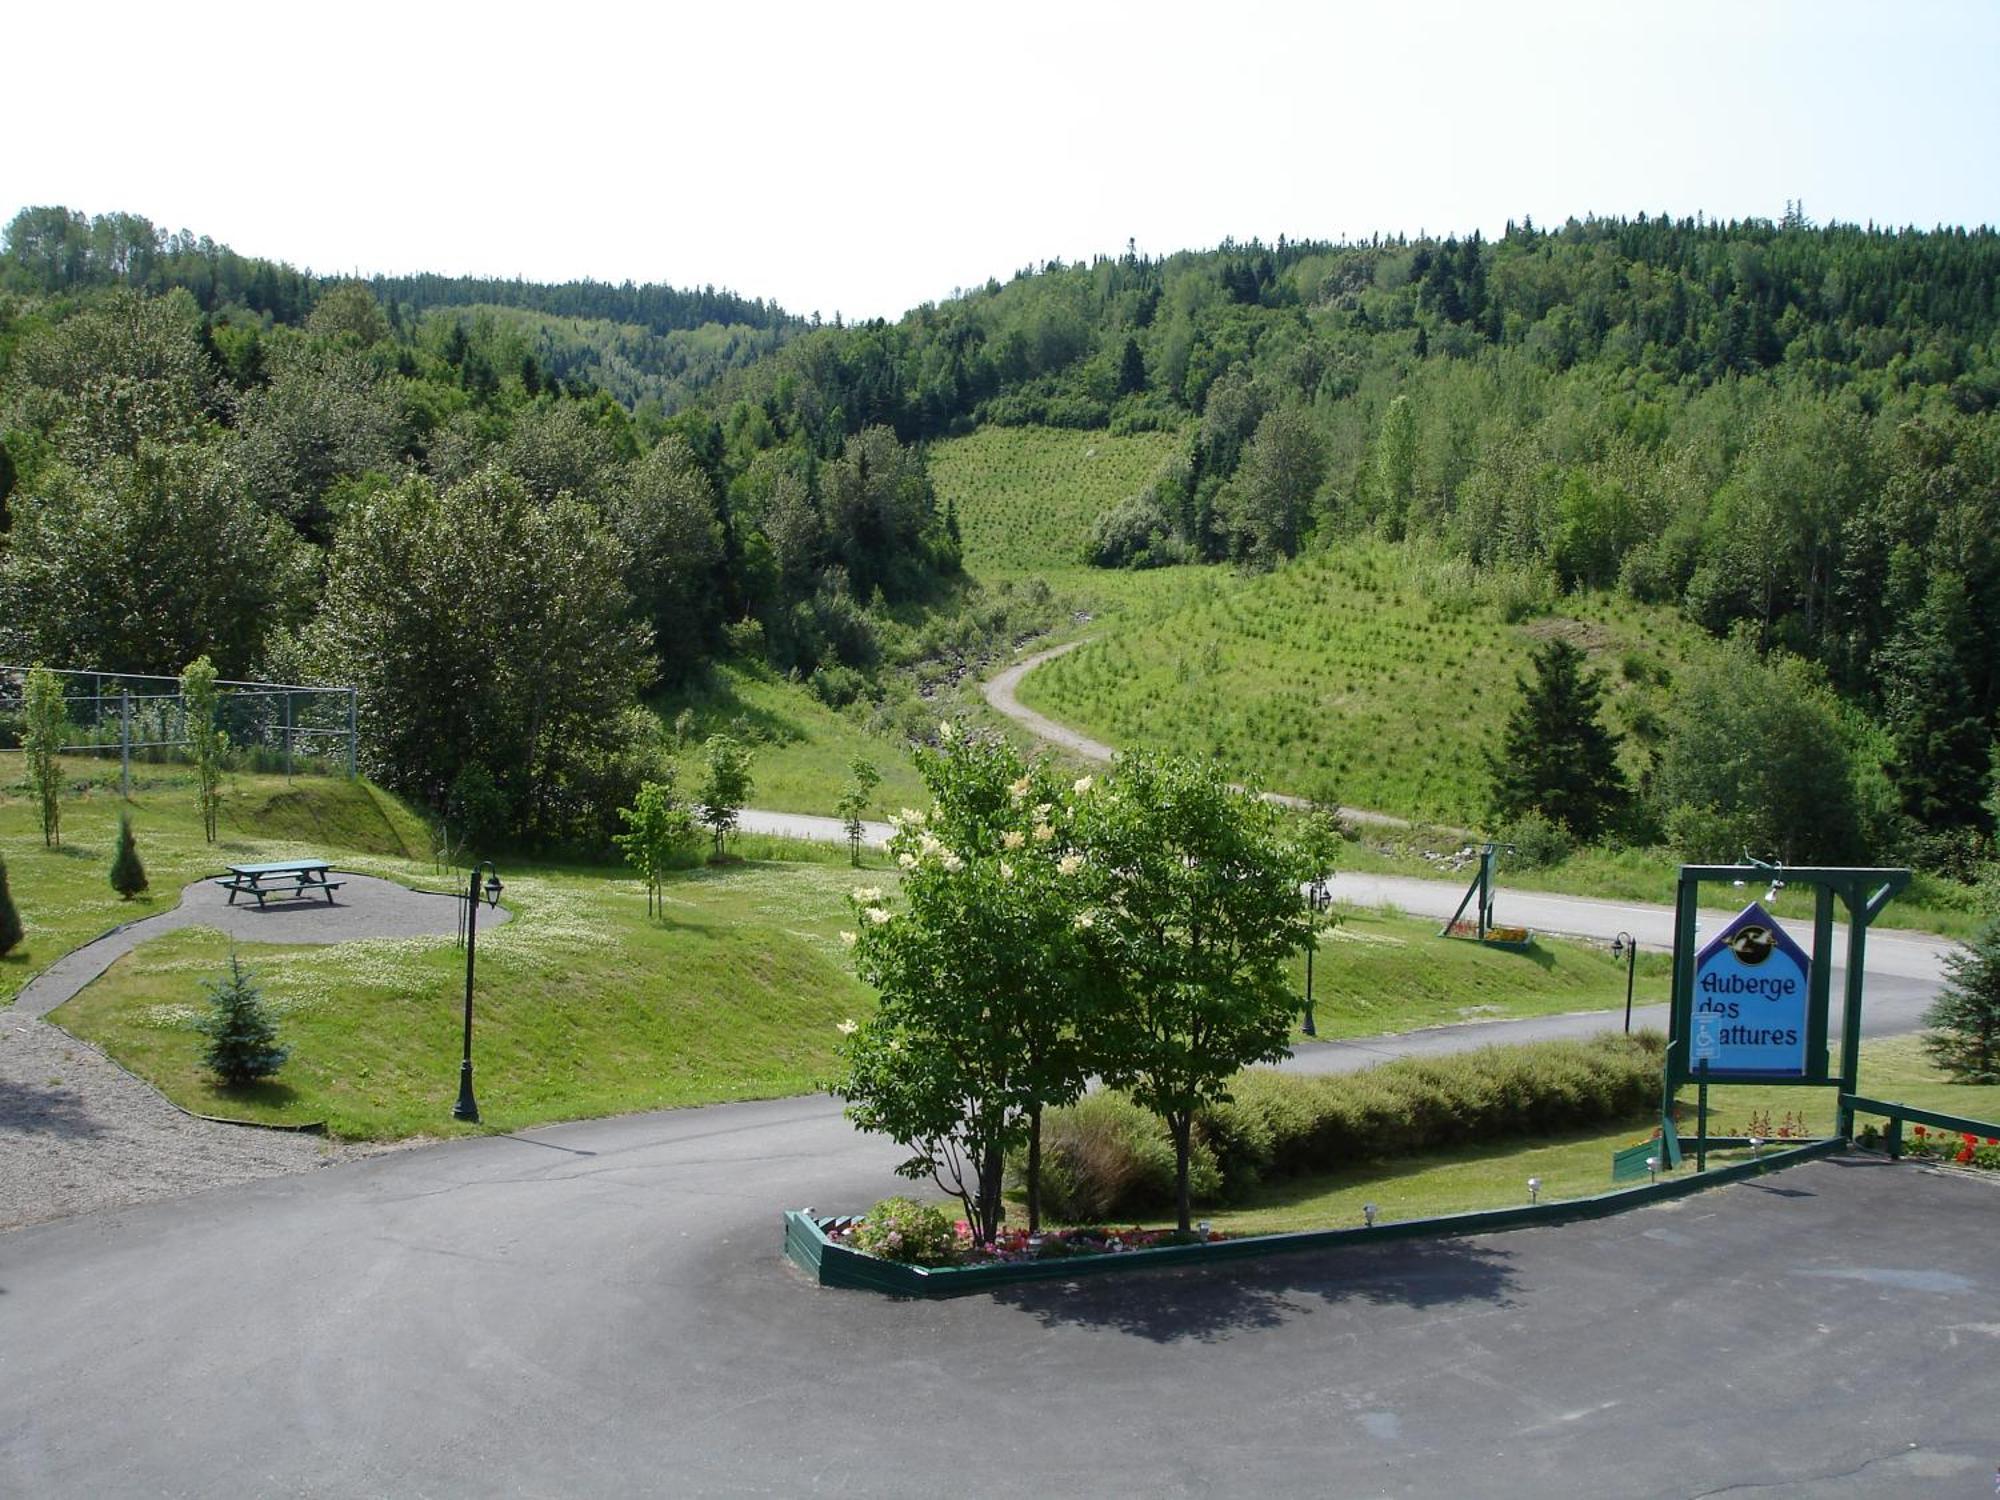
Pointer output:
1577, 1165
64, 895
802, 747
1378, 973
1366, 674
584, 1006
1026, 497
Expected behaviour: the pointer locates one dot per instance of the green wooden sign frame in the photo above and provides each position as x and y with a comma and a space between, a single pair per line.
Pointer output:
1863, 892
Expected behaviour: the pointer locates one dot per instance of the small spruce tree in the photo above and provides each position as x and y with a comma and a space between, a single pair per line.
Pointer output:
242, 1039
10, 918
1964, 1022
1556, 757
128, 875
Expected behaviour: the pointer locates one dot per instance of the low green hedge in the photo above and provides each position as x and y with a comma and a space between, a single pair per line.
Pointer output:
1107, 1158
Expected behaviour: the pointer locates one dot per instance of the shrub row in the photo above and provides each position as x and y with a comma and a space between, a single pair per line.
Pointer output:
1107, 1158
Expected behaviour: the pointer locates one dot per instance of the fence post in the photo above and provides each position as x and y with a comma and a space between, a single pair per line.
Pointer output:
125, 743
288, 736
353, 696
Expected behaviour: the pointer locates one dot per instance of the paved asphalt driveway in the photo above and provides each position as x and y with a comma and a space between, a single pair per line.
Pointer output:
601, 1308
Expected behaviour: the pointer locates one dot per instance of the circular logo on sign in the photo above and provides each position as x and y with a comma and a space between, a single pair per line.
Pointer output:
1752, 945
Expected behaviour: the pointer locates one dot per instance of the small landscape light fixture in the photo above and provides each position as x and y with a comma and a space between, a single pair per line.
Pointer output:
1534, 1189
1756, 1145
1202, 1226
1368, 1214
1772, 893
1652, 1169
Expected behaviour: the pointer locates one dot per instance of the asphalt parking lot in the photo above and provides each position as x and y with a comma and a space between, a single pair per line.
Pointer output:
601, 1308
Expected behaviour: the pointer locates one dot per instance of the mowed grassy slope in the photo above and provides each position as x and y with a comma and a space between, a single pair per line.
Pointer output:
64, 895
1377, 973
802, 749
584, 1006
1026, 497
1365, 674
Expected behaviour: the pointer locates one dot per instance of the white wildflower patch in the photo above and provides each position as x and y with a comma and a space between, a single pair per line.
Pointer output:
847, 1027
952, 863
947, 731
1043, 833
867, 895
876, 915
1006, 870
1069, 864
1013, 838
1086, 920
1043, 810
907, 860
849, 939
1083, 784
1018, 790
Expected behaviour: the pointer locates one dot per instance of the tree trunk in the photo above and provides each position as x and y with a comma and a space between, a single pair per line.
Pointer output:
1182, 1128
992, 1175
1035, 1170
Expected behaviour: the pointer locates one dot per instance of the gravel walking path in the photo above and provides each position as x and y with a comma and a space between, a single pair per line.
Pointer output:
78, 1133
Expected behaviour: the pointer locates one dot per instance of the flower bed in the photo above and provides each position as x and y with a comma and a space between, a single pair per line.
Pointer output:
1010, 1246
1520, 939
823, 1247
1961, 1148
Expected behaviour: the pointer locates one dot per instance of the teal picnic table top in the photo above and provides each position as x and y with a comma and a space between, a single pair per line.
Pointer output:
282, 867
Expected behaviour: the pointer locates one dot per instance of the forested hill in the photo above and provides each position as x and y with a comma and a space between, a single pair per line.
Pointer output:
1784, 430
638, 342
658, 309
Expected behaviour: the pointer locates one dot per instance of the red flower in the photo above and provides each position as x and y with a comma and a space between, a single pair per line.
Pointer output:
1993, 1140
1921, 1130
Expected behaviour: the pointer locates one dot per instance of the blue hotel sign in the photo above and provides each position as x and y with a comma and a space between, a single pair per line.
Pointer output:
1752, 988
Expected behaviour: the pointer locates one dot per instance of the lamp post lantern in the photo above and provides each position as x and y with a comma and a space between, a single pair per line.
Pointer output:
467, 1107
1319, 897
1626, 947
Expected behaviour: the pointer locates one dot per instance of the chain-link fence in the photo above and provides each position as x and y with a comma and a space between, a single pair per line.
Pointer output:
270, 726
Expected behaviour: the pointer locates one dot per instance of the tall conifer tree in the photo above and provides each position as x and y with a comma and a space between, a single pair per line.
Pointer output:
1556, 756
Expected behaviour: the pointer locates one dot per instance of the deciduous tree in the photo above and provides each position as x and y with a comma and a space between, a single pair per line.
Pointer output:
45, 727
1195, 909
986, 992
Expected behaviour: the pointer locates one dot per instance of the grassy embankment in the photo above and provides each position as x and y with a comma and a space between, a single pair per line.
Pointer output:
1577, 1165
803, 749
585, 1005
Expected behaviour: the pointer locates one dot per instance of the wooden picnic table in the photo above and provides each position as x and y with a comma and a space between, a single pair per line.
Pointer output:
290, 879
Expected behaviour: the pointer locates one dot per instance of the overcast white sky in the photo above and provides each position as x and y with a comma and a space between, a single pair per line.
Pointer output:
864, 158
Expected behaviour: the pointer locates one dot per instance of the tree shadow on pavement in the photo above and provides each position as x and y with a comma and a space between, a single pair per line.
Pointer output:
34, 1109
1208, 1304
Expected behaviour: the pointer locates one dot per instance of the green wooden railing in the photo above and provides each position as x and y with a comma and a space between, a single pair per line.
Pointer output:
1897, 1114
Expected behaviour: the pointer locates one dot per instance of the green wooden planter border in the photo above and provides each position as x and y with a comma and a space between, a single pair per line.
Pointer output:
830, 1264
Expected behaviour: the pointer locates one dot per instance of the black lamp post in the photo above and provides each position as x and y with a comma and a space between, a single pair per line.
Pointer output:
467, 1107
1624, 946
1319, 898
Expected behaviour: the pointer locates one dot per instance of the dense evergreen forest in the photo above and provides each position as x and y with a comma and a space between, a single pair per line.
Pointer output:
1785, 430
